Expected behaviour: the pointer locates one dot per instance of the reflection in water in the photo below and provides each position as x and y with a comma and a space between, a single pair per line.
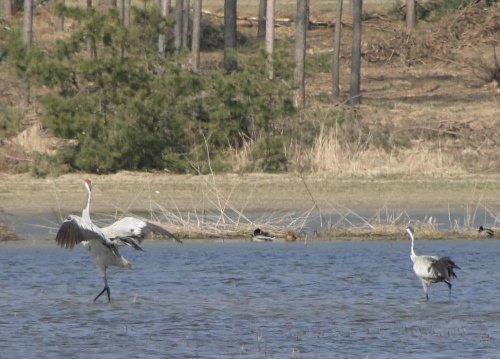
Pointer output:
250, 300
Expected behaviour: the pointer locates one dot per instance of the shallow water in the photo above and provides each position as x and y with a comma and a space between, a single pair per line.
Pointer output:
342, 299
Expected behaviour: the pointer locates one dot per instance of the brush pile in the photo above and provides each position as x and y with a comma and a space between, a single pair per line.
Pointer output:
226, 223
466, 27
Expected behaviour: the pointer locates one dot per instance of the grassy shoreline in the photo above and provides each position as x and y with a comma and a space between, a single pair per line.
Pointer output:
130, 191
200, 207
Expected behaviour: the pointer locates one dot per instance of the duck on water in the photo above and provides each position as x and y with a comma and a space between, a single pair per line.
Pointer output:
261, 236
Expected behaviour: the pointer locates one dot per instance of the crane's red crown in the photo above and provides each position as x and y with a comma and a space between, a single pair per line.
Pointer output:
89, 182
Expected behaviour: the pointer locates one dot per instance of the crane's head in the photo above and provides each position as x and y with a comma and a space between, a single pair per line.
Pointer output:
88, 185
409, 232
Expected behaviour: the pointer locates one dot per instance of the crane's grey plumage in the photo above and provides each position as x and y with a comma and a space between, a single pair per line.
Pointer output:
131, 231
431, 269
103, 243
75, 230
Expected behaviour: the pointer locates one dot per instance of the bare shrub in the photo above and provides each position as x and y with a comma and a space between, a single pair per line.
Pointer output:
487, 72
7, 233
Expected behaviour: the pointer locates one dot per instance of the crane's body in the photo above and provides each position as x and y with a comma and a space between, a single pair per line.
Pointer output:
431, 269
103, 243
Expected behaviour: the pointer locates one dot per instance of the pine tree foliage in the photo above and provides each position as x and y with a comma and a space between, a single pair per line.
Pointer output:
147, 112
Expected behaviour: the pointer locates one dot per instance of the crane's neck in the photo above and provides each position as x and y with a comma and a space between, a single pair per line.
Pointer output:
86, 210
412, 250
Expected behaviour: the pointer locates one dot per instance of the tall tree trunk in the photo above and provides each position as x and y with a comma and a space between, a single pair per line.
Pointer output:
124, 10
354, 97
261, 31
126, 24
162, 37
28, 23
126, 13
7, 9
301, 24
410, 14
336, 50
185, 24
195, 39
27, 39
270, 38
91, 47
230, 14
178, 24
60, 18
121, 9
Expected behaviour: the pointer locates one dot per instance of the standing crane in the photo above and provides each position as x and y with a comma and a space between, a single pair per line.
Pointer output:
103, 243
431, 269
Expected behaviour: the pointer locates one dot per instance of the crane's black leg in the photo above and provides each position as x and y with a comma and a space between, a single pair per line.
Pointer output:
426, 289
106, 289
449, 289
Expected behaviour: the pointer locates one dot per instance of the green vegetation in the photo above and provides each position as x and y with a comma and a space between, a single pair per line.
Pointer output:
146, 112
10, 121
269, 155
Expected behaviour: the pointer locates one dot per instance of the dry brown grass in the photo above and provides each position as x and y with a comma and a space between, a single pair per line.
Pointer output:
35, 139
329, 155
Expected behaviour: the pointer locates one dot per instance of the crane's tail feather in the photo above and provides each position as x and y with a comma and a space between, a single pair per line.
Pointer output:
153, 228
443, 267
131, 242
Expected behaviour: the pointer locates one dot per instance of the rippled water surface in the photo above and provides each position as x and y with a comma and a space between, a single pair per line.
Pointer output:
348, 299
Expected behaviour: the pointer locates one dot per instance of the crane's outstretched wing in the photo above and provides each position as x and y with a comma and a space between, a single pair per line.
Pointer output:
130, 227
75, 230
